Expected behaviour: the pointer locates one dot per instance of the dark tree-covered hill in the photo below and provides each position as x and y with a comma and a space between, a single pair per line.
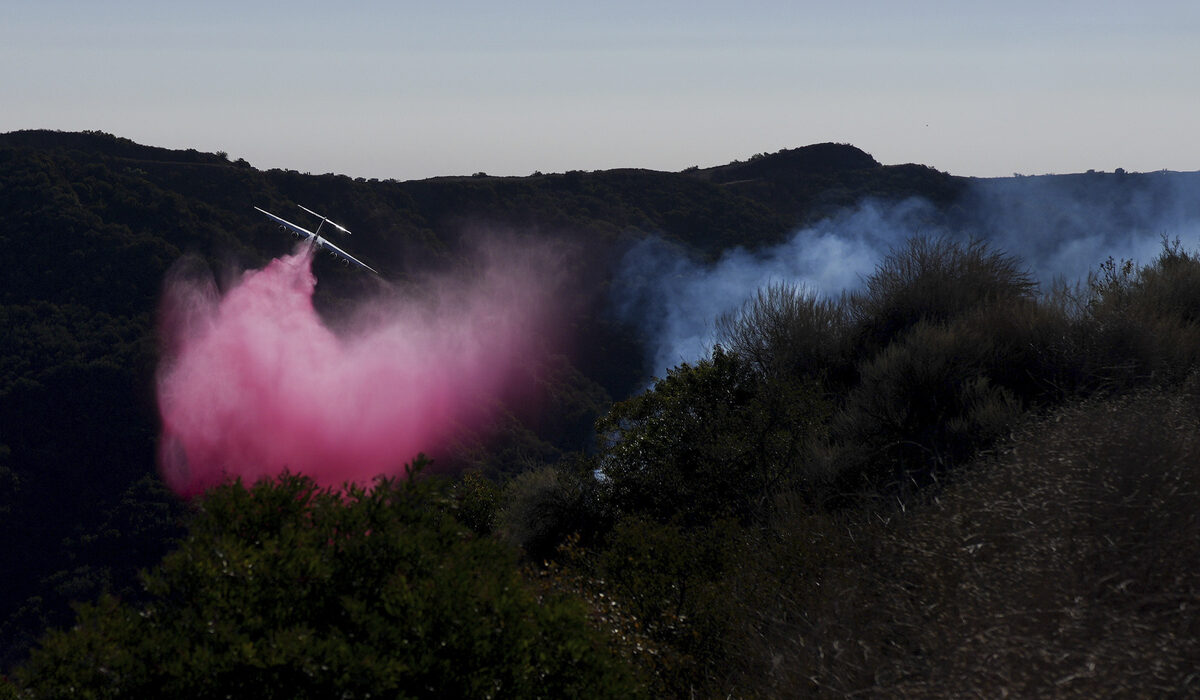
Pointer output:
92, 222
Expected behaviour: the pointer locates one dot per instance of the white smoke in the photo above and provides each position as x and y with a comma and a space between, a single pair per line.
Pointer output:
1066, 226
1060, 227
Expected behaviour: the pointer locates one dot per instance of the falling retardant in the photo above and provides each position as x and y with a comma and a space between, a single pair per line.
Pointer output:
253, 382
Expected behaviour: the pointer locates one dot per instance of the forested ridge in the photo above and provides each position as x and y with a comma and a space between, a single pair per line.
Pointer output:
841, 498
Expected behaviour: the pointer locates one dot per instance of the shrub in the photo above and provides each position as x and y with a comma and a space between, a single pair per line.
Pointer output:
476, 502
671, 580
1144, 323
1170, 286
786, 330
933, 280
923, 403
286, 590
544, 507
709, 441
1034, 349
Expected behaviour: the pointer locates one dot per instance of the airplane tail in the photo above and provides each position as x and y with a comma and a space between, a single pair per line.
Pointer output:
325, 220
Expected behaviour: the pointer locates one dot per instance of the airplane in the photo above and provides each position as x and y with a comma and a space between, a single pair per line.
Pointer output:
315, 239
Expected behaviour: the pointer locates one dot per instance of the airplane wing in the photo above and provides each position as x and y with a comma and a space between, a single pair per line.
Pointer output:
309, 235
298, 230
336, 251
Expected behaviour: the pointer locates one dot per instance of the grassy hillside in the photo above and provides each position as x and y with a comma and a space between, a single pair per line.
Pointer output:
1065, 563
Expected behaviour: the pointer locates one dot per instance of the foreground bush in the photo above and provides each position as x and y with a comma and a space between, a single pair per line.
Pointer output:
1142, 324
672, 581
285, 590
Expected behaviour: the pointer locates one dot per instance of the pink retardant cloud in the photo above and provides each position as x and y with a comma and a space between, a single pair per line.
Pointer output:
253, 382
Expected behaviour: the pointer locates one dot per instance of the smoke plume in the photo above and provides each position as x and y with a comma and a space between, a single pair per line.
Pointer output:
253, 382
1060, 227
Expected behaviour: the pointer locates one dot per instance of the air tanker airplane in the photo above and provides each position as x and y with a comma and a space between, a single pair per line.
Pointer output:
315, 239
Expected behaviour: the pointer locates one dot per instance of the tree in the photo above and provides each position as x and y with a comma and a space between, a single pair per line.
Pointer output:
708, 441
287, 590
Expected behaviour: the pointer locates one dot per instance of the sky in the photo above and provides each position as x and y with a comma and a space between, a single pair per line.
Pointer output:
413, 90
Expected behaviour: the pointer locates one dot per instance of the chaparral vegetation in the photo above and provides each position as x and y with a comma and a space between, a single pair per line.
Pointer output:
955, 480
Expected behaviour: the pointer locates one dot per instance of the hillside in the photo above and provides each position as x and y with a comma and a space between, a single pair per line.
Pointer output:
1063, 564
93, 222
754, 470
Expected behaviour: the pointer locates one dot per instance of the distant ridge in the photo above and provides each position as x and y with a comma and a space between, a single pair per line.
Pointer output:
821, 159
104, 143
817, 159
753, 202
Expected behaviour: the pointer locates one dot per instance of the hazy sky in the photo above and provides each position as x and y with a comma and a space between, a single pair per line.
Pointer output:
411, 90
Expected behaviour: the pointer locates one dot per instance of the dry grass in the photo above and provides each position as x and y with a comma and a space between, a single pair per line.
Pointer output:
1067, 565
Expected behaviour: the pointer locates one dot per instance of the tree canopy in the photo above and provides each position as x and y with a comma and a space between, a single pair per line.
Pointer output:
284, 590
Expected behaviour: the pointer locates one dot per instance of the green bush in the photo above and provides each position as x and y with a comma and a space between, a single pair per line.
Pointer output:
1033, 349
786, 330
290, 591
709, 441
544, 507
933, 280
672, 582
1170, 286
1143, 324
476, 502
924, 403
